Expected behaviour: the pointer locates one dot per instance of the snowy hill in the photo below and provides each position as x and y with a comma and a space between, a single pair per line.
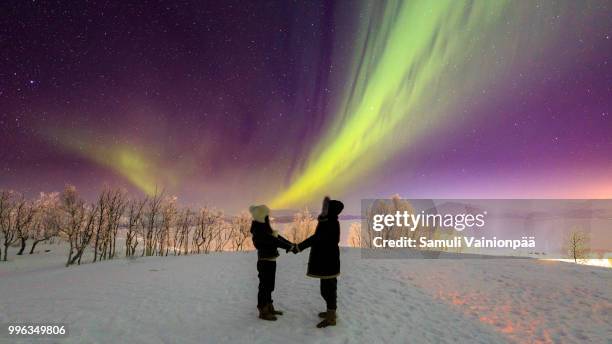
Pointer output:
211, 299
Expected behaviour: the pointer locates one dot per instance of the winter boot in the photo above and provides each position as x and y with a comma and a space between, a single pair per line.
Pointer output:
322, 314
265, 314
330, 319
274, 311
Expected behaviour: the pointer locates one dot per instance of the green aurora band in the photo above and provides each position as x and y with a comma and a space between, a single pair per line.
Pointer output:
416, 63
137, 165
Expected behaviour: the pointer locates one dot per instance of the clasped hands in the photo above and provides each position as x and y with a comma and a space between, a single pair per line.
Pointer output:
294, 248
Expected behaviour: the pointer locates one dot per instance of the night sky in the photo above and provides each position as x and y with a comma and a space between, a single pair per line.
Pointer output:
230, 103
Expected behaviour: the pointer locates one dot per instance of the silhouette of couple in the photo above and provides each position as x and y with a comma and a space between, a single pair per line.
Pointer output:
323, 262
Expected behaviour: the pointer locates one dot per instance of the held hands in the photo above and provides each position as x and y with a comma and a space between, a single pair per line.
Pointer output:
295, 249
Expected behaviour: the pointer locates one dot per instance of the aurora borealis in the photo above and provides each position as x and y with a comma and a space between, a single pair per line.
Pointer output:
236, 103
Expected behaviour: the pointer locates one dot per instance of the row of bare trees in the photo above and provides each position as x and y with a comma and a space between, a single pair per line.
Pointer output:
150, 226
160, 228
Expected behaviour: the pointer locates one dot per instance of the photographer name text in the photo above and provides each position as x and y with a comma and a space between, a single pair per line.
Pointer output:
454, 242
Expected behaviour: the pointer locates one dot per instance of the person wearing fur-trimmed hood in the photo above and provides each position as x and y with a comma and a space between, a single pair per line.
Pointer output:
324, 258
266, 241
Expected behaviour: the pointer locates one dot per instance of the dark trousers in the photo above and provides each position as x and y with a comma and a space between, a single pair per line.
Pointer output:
267, 274
328, 291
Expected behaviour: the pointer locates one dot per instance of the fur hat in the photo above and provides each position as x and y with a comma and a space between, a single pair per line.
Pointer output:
331, 208
259, 212
335, 207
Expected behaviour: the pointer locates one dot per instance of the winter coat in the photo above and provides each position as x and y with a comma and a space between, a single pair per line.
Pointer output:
266, 240
324, 259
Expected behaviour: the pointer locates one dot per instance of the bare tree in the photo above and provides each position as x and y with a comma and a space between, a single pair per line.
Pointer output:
150, 223
186, 227
355, 235
163, 231
47, 219
100, 221
83, 236
207, 223
241, 225
303, 226
16, 215
26, 219
182, 231
199, 237
577, 245
117, 202
222, 235
78, 223
377, 208
134, 217
111, 206
6, 220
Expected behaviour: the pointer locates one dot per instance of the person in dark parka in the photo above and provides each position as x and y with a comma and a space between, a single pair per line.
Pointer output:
324, 259
266, 241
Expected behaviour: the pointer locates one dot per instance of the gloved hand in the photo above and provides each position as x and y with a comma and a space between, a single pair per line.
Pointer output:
290, 249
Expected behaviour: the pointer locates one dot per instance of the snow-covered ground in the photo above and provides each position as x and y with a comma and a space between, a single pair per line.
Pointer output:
211, 299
